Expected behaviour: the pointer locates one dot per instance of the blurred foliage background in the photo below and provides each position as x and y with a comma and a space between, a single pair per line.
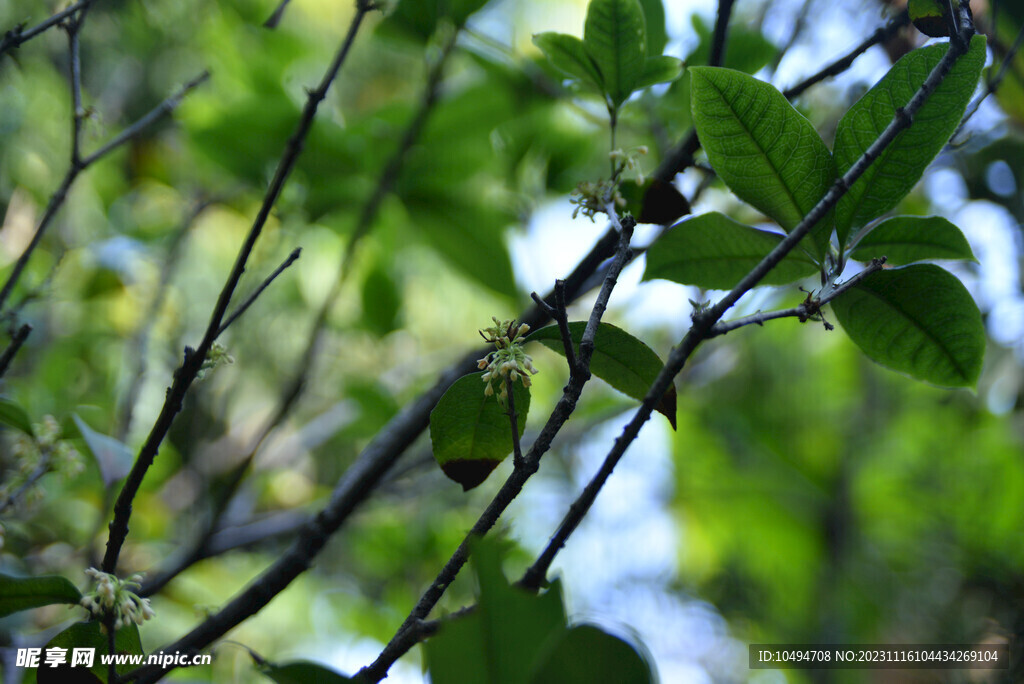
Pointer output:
808, 495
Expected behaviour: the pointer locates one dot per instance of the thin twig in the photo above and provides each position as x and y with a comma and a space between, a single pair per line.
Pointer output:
991, 84
192, 364
19, 339
561, 317
807, 310
517, 450
704, 321
58, 197
17, 36
880, 35
514, 484
259, 290
274, 19
37, 473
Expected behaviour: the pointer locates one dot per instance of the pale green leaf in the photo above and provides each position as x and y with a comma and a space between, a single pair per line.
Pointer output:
659, 70
615, 37
566, 54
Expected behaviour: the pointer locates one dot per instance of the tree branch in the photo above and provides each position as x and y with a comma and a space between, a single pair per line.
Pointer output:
514, 484
190, 367
17, 340
259, 290
705, 321
17, 36
58, 197
717, 55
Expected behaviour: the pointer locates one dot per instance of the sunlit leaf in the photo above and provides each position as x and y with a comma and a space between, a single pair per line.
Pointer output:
906, 239
659, 70
23, 593
902, 163
713, 251
919, 320
764, 150
621, 360
113, 457
471, 433
654, 18
615, 37
567, 54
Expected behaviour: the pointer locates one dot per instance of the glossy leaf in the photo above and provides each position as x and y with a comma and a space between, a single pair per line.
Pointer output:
615, 37
919, 320
586, 654
906, 239
903, 162
113, 457
713, 251
566, 53
14, 416
662, 69
303, 672
500, 642
470, 432
91, 635
654, 18
764, 150
23, 593
621, 360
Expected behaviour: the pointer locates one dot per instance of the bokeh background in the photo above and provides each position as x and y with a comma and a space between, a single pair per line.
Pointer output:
808, 495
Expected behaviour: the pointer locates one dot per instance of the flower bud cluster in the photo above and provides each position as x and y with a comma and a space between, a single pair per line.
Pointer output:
116, 598
508, 361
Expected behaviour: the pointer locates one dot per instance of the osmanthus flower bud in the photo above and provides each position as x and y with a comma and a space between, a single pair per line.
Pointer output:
508, 361
116, 598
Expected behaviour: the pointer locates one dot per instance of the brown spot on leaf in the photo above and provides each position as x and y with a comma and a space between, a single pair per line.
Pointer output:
667, 405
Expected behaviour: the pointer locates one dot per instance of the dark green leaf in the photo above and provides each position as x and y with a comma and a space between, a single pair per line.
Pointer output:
929, 16
470, 432
303, 672
906, 239
587, 654
501, 641
113, 457
23, 593
654, 18
764, 150
746, 50
621, 360
566, 54
918, 320
713, 251
659, 70
417, 19
615, 37
91, 635
13, 415
901, 165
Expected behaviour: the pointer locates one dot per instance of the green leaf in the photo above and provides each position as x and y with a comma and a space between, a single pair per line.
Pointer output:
906, 239
566, 53
91, 635
470, 432
23, 593
382, 301
900, 166
764, 150
659, 70
303, 672
586, 654
14, 416
417, 19
929, 16
621, 360
746, 50
654, 18
502, 640
113, 457
615, 37
919, 320
713, 251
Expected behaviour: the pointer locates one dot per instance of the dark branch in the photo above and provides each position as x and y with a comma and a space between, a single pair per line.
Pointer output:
16, 341
717, 57
17, 36
259, 290
705, 321
192, 364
